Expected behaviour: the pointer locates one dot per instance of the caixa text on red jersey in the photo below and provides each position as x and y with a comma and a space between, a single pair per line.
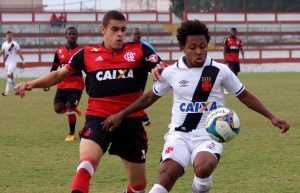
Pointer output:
114, 74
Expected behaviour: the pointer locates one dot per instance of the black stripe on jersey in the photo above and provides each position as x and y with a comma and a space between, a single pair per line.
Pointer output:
77, 61
192, 119
239, 91
229, 50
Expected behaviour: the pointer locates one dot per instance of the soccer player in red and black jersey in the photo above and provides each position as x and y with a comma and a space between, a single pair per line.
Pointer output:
115, 77
232, 46
69, 90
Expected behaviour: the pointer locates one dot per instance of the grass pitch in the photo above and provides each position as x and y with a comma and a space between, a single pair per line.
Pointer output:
36, 159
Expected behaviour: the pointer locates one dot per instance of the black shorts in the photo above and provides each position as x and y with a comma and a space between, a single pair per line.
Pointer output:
68, 95
234, 66
129, 140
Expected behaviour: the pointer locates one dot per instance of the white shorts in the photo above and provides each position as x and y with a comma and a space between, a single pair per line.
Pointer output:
183, 147
10, 67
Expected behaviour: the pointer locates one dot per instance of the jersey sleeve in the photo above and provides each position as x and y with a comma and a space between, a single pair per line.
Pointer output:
55, 63
225, 43
2, 47
232, 83
150, 58
162, 86
76, 63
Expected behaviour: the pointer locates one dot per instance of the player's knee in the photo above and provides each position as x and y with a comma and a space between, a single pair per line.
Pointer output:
137, 188
10, 76
205, 169
59, 109
201, 185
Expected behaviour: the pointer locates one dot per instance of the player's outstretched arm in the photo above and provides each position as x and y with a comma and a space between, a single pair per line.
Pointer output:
44, 81
141, 103
255, 104
22, 58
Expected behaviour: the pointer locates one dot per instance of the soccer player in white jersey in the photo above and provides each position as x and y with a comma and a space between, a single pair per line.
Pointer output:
196, 81
9, 50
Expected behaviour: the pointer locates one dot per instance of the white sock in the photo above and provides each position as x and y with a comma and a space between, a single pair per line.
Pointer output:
9, 83
14, 82
157, 188
201, 185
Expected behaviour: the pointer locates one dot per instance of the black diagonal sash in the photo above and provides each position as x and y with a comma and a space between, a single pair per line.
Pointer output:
9, 52
201, 94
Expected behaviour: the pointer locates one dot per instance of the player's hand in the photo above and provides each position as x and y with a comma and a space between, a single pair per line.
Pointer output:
156, 72
22, 87
112, 122
23, 64
281, 124
46, 89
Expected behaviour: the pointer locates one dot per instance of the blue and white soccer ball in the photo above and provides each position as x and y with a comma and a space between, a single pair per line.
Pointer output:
223, 124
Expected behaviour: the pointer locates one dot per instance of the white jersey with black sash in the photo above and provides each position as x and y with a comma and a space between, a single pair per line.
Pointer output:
10, 51
196, 92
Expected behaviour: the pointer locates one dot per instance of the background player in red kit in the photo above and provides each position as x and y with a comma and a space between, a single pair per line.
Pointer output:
69, 91
232, 46
115, 72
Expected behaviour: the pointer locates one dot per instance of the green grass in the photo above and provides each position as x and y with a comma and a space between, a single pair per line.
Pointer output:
36, 159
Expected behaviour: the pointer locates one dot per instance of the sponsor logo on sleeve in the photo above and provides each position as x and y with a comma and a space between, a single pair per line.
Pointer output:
152, 58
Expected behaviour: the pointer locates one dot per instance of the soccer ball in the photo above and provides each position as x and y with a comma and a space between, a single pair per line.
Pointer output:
222, 124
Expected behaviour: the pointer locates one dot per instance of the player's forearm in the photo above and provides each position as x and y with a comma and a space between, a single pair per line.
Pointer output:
140, 104
21, 55
47, 81
255, 104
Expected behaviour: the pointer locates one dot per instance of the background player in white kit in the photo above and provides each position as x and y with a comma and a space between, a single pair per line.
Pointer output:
9, 50
196, 81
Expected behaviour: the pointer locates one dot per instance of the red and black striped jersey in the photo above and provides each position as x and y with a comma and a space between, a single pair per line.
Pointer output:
61, 58
232, 47
114, 79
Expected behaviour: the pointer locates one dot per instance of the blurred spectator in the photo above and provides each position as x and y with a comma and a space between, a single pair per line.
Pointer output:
136, 37
232, 47
53, 20
62, 21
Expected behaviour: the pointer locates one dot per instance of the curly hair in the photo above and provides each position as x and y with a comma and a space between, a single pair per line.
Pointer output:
191, 27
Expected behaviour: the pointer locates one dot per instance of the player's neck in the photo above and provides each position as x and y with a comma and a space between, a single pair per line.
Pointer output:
71, 46
9, 41
112, 49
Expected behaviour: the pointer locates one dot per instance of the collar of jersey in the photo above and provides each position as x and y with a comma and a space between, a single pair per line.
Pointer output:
181, 64
107, 49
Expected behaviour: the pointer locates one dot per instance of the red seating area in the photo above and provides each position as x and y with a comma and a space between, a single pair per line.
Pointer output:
274, 39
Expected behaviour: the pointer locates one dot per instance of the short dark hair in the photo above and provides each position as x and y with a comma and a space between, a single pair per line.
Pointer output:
116, 15
69, 28
191, 27
233, 29
8, 32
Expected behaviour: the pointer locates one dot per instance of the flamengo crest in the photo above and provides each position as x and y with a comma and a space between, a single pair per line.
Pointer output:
129, 56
